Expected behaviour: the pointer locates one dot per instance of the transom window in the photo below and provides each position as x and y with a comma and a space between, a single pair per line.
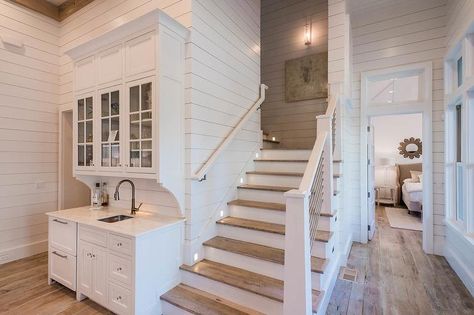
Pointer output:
399, 88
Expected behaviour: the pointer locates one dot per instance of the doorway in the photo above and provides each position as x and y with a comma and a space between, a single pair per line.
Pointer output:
389, 92
72, 193
395, 171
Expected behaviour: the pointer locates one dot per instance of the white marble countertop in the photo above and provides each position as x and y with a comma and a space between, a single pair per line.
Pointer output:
142, 222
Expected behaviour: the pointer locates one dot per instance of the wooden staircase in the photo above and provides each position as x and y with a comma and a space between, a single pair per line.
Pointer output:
243, 268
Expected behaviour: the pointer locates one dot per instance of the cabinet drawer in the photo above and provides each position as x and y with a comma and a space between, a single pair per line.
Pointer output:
62, 268
93, 236
120, 269
120, 300
62, 235
120, 244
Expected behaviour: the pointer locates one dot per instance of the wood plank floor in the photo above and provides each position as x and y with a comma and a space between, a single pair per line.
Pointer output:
396, 277
24, 290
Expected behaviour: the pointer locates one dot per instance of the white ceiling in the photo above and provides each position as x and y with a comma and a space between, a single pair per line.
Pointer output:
57, 2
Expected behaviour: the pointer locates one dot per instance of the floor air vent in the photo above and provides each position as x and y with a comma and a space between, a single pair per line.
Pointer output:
348, 274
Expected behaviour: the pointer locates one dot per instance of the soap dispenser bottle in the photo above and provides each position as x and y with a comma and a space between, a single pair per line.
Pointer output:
97, 197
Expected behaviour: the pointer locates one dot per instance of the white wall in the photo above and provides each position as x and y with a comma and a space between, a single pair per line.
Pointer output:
225, 80
408, 32
293, 123
459, 249
29, 86
223, 77
389, 131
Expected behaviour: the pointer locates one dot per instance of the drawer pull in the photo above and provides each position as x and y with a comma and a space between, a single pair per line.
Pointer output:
59, 221
119, 244
119, 298
59, 255
119, 269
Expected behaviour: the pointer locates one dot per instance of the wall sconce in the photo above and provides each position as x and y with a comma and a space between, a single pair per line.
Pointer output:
307, 32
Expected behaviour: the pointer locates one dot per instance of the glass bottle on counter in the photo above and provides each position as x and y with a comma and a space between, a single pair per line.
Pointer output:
97, 197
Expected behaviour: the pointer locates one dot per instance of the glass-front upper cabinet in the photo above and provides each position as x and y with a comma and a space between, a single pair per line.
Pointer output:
110, 128
140, 114
85, 131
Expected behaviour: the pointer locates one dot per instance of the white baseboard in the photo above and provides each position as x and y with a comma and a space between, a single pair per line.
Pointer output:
464, 273
23, 251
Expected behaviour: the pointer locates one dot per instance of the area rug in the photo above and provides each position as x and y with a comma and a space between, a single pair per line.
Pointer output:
400, 219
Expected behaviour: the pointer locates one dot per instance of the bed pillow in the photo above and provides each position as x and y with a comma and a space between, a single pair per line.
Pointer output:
415, 175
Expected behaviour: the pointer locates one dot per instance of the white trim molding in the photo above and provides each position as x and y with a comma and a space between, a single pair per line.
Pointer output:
423, 106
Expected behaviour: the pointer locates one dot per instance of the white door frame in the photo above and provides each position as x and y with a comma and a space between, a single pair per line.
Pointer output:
424, 106
61, 110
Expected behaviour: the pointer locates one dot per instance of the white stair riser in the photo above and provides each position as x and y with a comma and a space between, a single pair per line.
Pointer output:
258, 214
274, 180
270, 145
233, 294
170, 309
268, 239
285, 154
256, 265
261, 195
326, 223
337, 168
323, 249
297, 167
251, 236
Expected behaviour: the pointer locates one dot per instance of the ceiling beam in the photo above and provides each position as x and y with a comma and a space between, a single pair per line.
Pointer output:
59, 12
69, 7
40, 6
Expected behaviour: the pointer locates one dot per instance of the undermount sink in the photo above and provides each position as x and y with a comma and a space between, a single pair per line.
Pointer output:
116, 218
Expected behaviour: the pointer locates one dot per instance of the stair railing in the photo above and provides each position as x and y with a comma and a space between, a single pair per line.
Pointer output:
201, 173
303, 210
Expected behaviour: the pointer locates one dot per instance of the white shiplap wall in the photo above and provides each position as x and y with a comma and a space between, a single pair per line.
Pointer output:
406, 33
460, 17
459, 250
223, 76
29, 87
224, 83
293, 124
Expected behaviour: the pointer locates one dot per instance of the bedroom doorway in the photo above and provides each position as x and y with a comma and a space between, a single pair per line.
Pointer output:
390, 92
395, 157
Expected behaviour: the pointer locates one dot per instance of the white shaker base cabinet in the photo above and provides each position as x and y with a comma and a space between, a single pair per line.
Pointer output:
124, 266
127, 274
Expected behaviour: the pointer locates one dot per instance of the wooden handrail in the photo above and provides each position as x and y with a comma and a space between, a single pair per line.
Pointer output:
201, 174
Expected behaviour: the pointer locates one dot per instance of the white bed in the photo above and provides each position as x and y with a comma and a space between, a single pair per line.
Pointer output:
412, 195
412, 189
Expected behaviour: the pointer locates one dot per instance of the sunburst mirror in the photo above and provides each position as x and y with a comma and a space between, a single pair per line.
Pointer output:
411, 148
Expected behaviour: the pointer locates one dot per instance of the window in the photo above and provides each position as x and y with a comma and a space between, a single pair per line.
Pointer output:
399, 88
459, 183
459, 71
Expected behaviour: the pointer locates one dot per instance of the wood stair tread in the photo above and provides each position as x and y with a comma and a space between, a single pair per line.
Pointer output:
258, 204
258, 251
271, 141
253, 225
276, 173
269, 206
337, 161
200, 302
280, 160
243, 279
265, 187
322, 236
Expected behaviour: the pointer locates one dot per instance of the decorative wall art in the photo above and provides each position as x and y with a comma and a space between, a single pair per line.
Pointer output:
411, 148
306, 78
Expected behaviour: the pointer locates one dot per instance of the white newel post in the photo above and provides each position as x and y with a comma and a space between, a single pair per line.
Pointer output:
297, 277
